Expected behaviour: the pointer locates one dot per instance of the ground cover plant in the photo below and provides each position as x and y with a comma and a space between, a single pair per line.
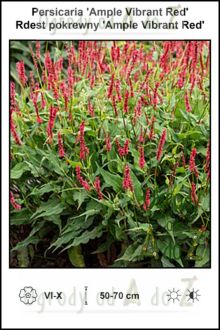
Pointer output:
110, 154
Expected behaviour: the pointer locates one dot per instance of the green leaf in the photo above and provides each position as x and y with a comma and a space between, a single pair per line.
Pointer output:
76, 257
203, 253
154, 209
74, 164
51, 207
48, 187
104, 246
80, 196
200, 212
137, 188
73, 229
86, 236
112, 180
54, 219
22, 256
134, 252
167, 223
178, 185
127, 256
166, 263
20, 218
170, 250
205, 203
18, 170
191, 135
75, 226
144, 227
32, 238
184, 115
64, 239
180, 170
26, 242
86, 214
55, 164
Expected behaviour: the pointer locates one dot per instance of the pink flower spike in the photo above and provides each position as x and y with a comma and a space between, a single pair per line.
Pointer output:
194, 197
13, 202
141, 159
97, 186
126, 101
187, 104
127, 182
108, 145
83, 182
161, 144
110, 89
60, 146
38, 49
147, 200
21, 72
192, 164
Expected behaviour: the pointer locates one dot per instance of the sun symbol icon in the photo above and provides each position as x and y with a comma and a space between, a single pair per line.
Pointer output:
193, 295
173, 295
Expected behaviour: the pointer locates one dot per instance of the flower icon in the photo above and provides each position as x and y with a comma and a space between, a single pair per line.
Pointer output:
28, 295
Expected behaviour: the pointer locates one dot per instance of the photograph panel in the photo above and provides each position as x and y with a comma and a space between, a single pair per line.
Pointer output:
110, 154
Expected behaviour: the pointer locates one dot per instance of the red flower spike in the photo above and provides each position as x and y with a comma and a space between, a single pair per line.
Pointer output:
208, 161
141, 136
13, 103
70, 81
84, 151
151, 133
98, 188
126, 101
33, 55
194, 197
108, 145
48, 63
192, 164
60, 146
64, 92
13, 202
146, 205
126, 147
187, 104
38, 50
50, 125
165, 57
43, 101
131, 88
118, 89
91, 110
127, 182
92, 81
114, 105
83, 182
141, 159
21, 72
122, 151
13, 131
155, 95
110, 89
208, 157
161, 144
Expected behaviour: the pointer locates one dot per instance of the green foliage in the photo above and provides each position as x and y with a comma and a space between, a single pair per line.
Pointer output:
119, 225
76, 257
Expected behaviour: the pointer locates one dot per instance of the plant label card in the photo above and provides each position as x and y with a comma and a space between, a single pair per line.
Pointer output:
110, 181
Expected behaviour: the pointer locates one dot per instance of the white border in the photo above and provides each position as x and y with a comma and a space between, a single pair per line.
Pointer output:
201, 315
